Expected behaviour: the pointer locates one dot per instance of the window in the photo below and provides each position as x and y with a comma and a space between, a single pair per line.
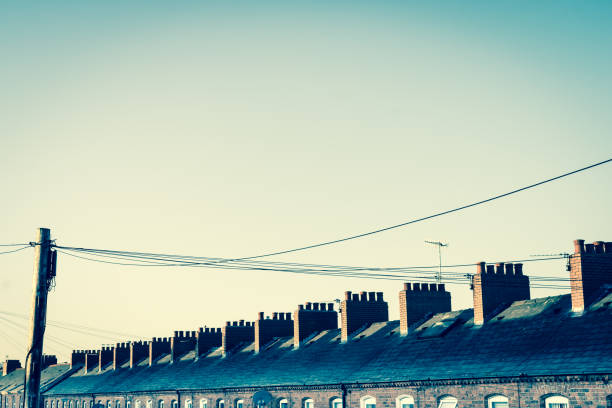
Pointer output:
308, 403
497, 401
149, 404
108, 404
174, 404
405, 401
128, 404
556, 401
117, 404
86, 404
188, 404
138, 404
52, 404
448, 402
368, 402
78, 404
336, 403
239, 403
283, 403
221, 404
203, 403
160, 404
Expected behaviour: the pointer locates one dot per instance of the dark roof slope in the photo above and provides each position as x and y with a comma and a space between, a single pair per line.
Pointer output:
532, 337
13, 382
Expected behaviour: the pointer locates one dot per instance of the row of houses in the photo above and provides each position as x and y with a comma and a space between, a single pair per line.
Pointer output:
507, 351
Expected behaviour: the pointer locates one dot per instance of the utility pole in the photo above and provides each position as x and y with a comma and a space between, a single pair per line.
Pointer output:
44, 271
439, 245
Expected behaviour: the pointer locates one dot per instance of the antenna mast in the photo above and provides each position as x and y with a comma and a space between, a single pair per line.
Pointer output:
439, 245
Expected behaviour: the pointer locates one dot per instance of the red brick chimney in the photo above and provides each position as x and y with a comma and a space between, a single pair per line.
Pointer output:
138, 351
418, 300
206, 339
182, 343
92, 360
9, 366
497, 285
121, 354
590, 269
236, 333
77, 357
311, 318
106, 356
360, 310
157, 347
280, 325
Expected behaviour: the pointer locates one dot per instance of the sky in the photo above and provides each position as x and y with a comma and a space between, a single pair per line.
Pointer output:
231, 129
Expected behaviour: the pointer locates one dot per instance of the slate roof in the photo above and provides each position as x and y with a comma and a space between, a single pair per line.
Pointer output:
531, 337
13, 382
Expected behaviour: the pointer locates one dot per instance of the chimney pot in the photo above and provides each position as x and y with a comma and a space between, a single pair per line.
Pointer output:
261, 316
599, 247
323, 306
499, 268
491, 269
330, 307
300, 307
308, 306
241, 322
406, 286
509, 269
579, 246
347, 295
480, 267
275, 316
363, 296
355, 297
589, 248
518, 269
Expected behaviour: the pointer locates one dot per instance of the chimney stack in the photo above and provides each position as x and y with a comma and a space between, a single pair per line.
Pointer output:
138, 351
360, 310
9, 366
417, 300
157, 347
280, 325
590, 269
496, 286
77, 357
106, 356
307, 320
92, 360
121, 354
236, 333
48, 360
182, 343
206, 339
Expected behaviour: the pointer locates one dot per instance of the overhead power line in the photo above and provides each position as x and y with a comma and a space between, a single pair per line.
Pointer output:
14, 250
403, 273
414, 221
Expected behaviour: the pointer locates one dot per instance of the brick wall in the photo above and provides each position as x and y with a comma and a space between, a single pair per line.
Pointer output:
236, 333
526, 393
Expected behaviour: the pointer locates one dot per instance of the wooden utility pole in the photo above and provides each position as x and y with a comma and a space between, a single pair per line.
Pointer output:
43, 264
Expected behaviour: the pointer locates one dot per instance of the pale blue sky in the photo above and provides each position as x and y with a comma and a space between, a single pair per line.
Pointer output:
231, 130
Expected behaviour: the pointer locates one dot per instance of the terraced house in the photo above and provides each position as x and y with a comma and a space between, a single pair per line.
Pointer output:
508, 351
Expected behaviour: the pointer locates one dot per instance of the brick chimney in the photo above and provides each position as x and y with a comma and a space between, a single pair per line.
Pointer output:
590, 269
106, 356
77, 357
311, 318
206, 339
280, 325
362, 309
182, 343
236, 333
418, 300
92, 360
157, 347
138, 351
497, 285
121, 354
9, 366
48, 360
